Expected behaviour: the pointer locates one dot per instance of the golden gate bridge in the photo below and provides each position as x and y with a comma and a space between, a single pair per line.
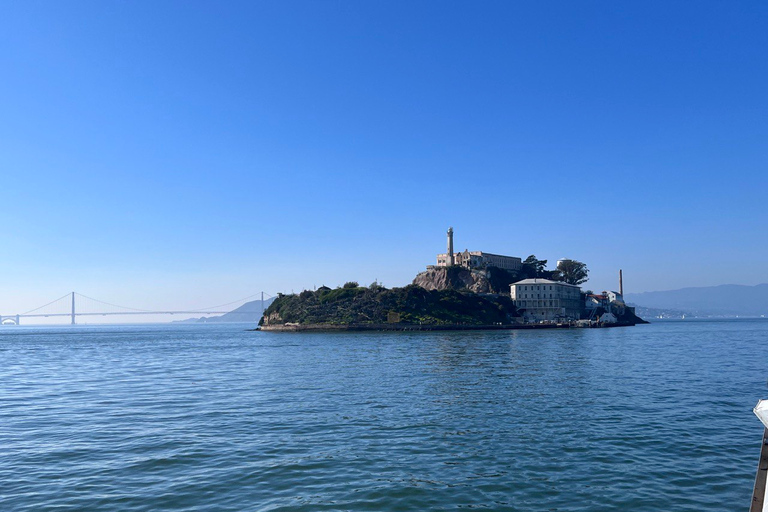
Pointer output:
75, 304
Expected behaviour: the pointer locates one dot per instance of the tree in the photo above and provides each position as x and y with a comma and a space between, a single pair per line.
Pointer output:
571, 271
535, 266
351, 284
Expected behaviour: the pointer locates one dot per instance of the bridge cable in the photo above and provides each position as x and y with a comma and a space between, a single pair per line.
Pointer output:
114, 305
44, 305
234, 301
68, 295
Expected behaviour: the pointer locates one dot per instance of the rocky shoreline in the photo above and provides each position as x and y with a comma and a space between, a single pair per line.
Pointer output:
416, 327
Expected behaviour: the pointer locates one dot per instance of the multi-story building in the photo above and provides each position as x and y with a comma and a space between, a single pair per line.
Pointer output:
479, 259
543, 299
476, 259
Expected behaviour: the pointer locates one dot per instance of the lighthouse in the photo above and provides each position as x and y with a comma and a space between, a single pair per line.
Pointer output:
451, 262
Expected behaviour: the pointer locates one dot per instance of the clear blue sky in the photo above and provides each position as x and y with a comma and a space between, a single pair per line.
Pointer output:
181, 154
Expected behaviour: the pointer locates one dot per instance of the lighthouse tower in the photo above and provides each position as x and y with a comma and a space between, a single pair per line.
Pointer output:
451, 262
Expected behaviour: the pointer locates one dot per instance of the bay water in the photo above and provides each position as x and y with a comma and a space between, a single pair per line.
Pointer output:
219, 418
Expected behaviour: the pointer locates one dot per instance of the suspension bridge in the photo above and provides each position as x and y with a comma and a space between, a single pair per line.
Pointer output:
73, 305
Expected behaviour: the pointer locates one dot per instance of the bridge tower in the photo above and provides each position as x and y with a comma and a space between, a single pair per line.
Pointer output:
73, 308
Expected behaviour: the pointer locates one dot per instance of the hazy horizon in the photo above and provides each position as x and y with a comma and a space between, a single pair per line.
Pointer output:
183, 154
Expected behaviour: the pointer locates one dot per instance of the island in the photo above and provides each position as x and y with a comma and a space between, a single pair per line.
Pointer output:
463, 291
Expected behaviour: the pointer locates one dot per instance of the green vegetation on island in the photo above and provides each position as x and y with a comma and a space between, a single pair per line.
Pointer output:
455, 296
489, 279
414, 305
569, 271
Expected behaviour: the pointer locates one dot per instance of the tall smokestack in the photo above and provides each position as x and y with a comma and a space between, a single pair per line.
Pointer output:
450, 247
621, 283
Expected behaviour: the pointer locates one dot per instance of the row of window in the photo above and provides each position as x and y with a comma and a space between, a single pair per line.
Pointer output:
566, 291
547, 303
538, 304
542, 296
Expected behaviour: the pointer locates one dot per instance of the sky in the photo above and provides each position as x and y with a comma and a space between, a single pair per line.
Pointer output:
179, 155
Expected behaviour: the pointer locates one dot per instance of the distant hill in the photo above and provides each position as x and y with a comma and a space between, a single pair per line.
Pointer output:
723, 300
248, 312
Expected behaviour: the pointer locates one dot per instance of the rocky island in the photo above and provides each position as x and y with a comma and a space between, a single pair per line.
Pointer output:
376, 308
469, 290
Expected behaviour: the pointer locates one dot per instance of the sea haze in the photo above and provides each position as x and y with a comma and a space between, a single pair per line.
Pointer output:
723, 300
249, 312
215, 417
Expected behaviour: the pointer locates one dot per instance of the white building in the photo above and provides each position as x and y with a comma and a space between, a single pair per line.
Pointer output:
543, 299
611, 302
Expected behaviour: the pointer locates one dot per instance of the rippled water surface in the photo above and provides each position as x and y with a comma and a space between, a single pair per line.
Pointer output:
150, 418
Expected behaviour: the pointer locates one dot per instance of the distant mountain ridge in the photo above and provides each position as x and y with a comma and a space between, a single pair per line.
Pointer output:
248, 312
723, 300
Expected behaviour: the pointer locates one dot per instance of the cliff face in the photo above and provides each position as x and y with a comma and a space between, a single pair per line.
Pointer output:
453, 278
488, 280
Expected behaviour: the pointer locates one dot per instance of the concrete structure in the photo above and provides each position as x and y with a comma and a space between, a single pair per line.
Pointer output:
611, 302
476, 259
597, 300
479, 259
9, 319
607, 318
594, 301
543, 299
604, 300
621, 282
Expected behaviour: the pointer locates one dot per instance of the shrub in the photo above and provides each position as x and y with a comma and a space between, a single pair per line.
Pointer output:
413, 304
